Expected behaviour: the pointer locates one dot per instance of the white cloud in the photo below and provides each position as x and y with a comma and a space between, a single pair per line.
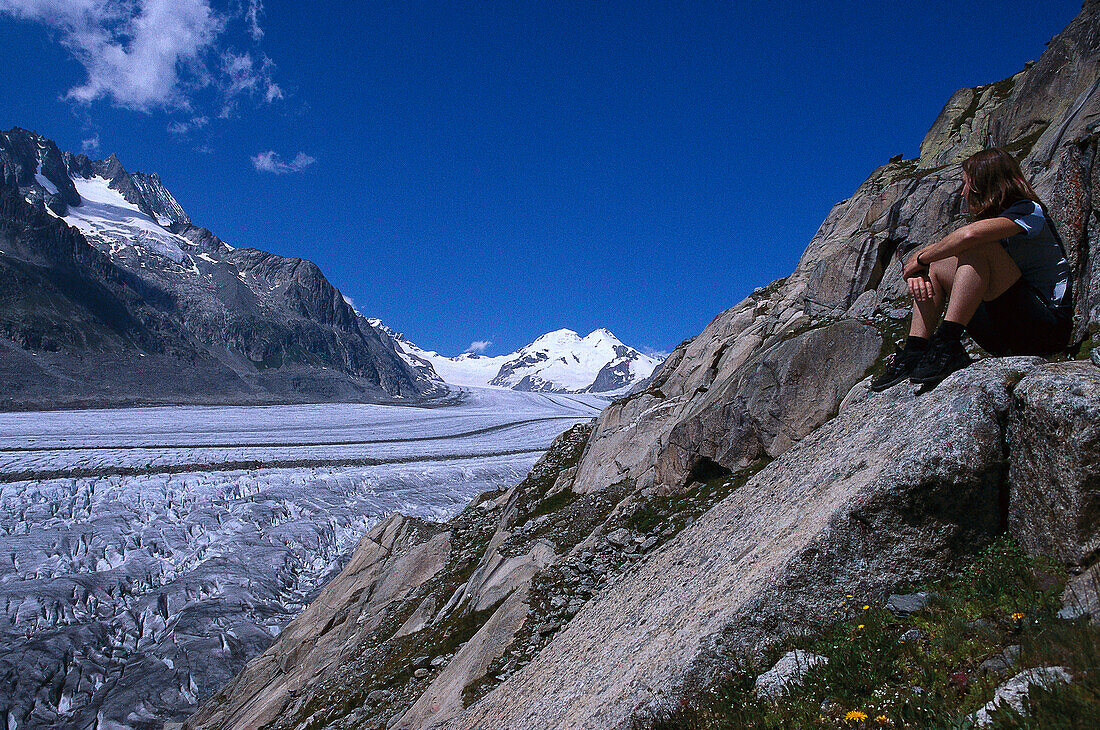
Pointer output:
90, 145
273, 92
654, 352
479, 346
146, 55
241, 76
183, 127
270, 161
252, 17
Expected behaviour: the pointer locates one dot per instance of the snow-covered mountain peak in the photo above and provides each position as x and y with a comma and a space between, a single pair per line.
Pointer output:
558, 361
116, 210
557, 338
602, 335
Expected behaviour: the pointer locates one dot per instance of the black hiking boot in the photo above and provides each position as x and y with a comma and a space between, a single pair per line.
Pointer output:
898, 368
944, 356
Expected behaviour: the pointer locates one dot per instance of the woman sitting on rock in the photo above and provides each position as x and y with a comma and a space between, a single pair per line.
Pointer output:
1004, 278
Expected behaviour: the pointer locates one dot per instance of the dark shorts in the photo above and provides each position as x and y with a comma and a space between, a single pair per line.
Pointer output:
1020, 322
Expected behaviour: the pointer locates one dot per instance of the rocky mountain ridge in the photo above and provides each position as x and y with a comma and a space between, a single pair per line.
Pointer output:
751, 486
557, 362
107, 286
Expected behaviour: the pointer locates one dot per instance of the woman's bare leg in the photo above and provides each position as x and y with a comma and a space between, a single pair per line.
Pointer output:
926, 313
978, 274
983, 273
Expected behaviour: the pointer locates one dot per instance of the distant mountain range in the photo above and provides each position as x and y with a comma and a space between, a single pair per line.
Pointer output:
561, 362
111, 295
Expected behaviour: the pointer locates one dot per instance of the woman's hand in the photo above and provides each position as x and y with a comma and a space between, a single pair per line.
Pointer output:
917, 279
921, 287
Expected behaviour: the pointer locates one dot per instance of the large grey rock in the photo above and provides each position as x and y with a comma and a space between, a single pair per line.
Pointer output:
772, 401
1054, 471
905, 604
1081, 596
1001, 663
443, 698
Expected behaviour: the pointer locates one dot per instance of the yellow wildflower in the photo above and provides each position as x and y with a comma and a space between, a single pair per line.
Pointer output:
1017, 616
866, 607
849, 595
860, 626
855, 716
884, 720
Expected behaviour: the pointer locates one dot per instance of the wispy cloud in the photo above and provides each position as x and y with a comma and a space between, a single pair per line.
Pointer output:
90, 145
654, 352
148, 55
270, 161
272, 92
243, 76
479, 346
252, 16
181, 128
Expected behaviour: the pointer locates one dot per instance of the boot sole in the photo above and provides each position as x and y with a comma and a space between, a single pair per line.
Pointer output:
883, 386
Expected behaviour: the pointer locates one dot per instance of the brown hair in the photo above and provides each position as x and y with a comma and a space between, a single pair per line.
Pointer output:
996, 182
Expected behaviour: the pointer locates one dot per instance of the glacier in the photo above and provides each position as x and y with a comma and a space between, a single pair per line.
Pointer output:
147, 554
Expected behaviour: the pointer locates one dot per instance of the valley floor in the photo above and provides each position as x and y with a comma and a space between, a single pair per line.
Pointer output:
146, 554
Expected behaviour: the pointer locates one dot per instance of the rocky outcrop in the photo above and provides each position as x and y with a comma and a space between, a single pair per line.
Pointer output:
36, 165
895, 489
422, 613
1013, 694
1047, 114
711, 408
753, 481
788, 672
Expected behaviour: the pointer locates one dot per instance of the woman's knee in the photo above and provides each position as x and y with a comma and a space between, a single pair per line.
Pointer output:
942, 273
993, 264
987, 256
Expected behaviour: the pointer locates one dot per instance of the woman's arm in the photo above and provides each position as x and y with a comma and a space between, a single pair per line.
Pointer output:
954, 243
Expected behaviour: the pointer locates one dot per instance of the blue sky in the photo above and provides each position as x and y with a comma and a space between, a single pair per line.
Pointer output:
491, 171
